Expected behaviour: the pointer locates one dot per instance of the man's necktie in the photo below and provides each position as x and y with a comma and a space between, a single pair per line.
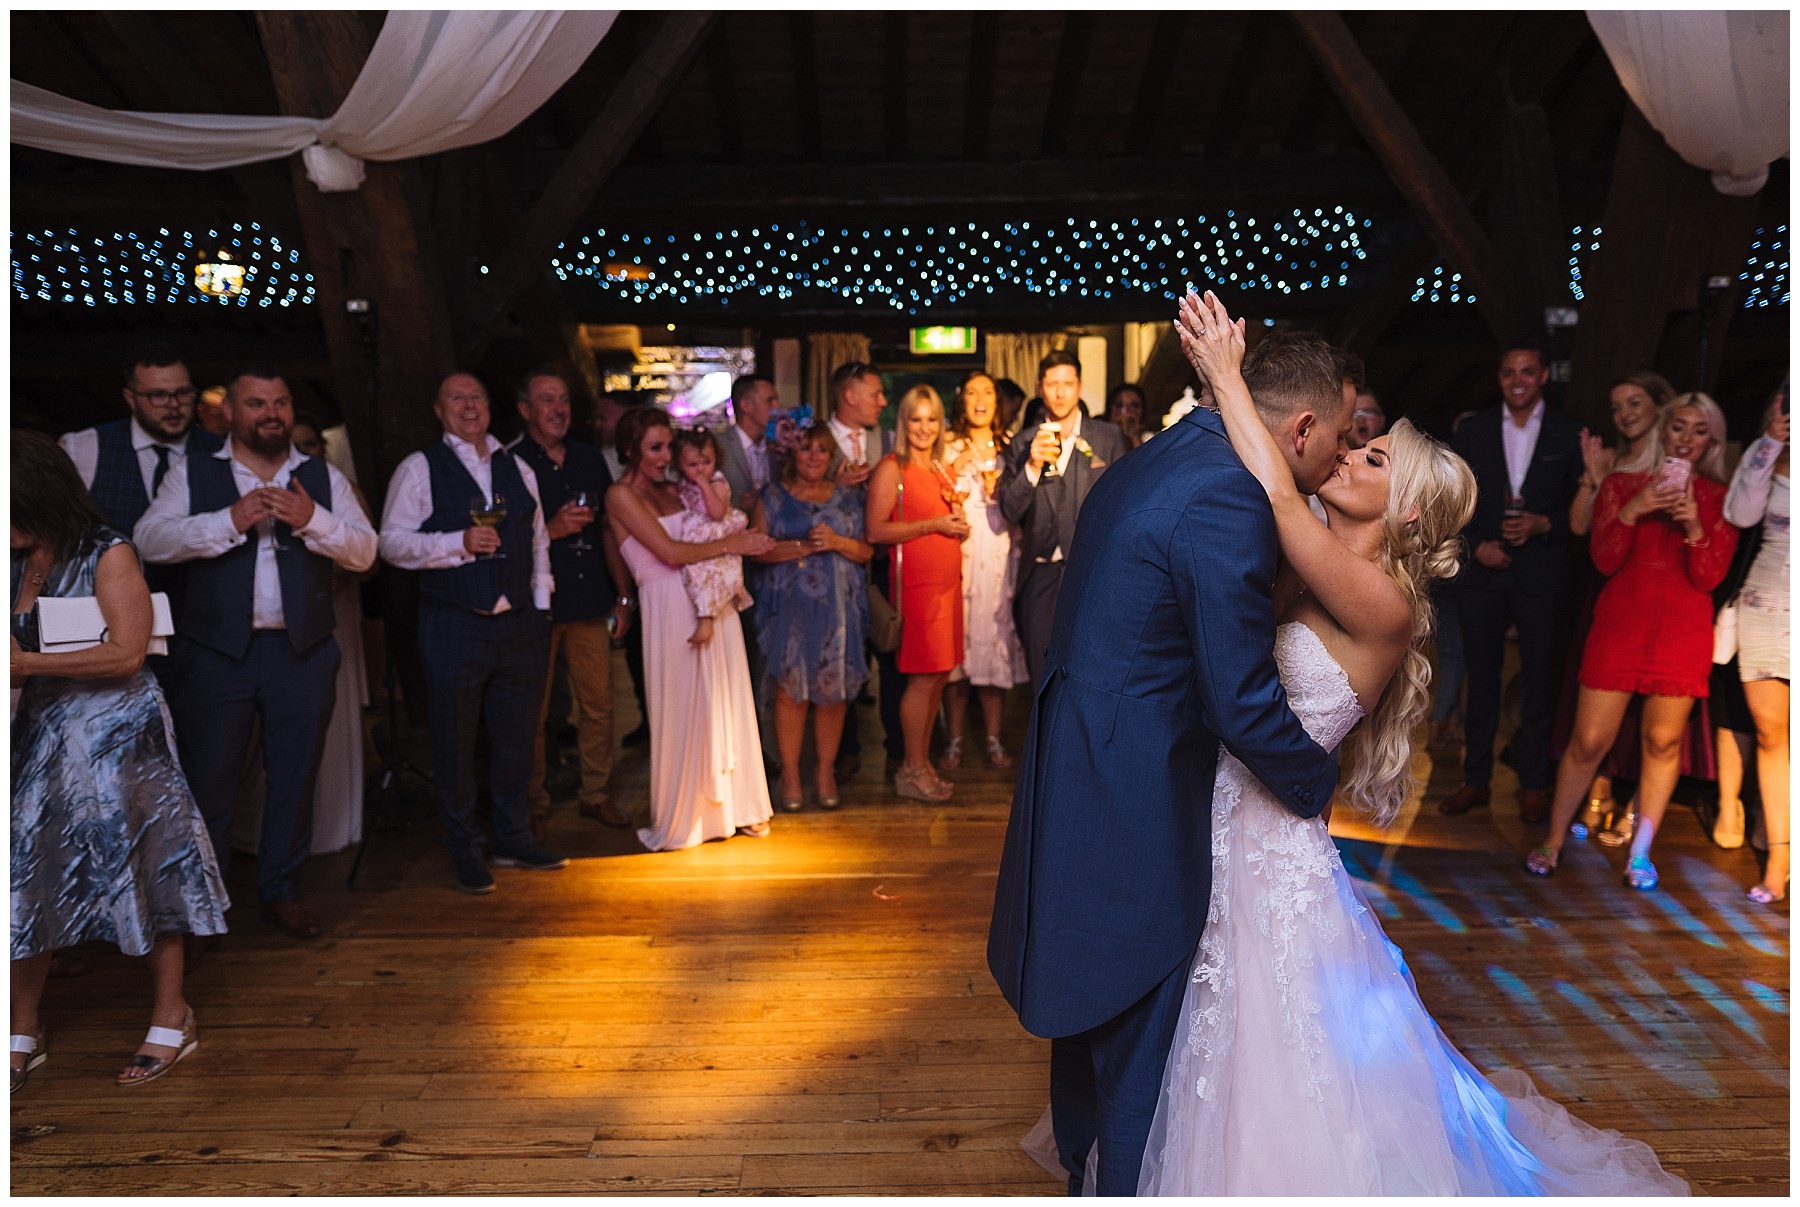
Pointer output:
162, 469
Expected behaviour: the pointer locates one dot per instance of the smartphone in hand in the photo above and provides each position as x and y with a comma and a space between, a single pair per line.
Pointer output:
1674, 473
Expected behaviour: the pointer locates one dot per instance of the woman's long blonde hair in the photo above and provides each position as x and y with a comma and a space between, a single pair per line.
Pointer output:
1712, 462
1650, 453
1431, 495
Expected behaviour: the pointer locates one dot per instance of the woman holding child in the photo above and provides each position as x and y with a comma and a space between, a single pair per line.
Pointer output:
706, 772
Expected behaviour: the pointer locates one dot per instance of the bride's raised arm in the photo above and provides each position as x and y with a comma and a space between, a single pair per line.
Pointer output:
1357, 593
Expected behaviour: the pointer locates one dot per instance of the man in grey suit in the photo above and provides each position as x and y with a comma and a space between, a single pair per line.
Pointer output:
1050, 467
857, 400
746, 459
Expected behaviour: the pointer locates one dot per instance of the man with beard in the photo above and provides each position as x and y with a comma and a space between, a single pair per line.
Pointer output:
261, 526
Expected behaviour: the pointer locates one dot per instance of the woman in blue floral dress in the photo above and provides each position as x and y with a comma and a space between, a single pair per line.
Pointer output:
812, 610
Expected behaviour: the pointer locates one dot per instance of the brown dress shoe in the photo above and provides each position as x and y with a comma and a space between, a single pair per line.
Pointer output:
293, 918
606, 813
1462, 800
1534, 805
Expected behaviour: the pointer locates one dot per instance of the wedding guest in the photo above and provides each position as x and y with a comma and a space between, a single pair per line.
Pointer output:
1125, 409
123, 462
607, 410
857, 399
707, 514
1367, 421
465, 513
813, 613
107, 841
1664, 545
913, 506
338, 793
1048, 471
1011, 400
992, 660
592, 600
1759, 495
1526, 457
706, 771
263, 529
1637, 399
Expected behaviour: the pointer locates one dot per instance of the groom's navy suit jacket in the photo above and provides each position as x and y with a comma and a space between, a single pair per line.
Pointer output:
1163, 647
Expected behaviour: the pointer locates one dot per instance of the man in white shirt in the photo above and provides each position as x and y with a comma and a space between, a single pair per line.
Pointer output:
1527, 463
261, 527
857, 400
123, 462
465, 514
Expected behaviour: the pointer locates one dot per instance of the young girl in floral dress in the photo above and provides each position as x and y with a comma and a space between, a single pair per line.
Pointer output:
707, 515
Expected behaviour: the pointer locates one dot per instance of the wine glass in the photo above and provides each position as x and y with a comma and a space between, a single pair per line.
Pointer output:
488, 513
583, 499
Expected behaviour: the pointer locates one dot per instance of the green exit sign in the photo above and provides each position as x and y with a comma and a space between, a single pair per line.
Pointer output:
934, 341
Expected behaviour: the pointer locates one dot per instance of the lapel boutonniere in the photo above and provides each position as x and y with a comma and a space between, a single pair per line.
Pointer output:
1084, 448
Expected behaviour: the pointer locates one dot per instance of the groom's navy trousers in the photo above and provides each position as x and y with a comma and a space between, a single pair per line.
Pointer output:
1162, 652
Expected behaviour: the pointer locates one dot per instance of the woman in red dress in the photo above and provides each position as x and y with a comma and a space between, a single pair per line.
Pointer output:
914, 506
1664, 547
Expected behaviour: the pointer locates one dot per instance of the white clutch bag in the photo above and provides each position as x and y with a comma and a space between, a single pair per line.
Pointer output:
75, 623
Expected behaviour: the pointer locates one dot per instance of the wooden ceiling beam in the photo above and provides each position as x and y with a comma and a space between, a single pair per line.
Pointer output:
635, 100
721, 77
1159, 73
1065, 81
984, 58
1040, 186
895, 67
804, 46
1247, 61
1419, 176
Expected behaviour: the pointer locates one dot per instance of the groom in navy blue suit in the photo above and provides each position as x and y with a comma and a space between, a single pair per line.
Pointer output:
1162, 648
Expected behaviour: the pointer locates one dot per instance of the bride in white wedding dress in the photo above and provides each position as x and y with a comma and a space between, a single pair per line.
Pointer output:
1305, 1062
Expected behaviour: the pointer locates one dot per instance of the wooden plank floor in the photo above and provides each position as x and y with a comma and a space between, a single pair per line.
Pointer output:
812, 1014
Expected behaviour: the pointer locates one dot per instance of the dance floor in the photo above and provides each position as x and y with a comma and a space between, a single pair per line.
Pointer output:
812, 1013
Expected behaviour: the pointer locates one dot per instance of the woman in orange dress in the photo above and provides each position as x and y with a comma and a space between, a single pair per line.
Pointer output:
914, 507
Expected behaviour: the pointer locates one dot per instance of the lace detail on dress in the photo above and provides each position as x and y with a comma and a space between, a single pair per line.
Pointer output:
1288, 863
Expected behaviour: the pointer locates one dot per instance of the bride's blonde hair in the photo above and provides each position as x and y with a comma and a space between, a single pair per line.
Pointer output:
1431, 495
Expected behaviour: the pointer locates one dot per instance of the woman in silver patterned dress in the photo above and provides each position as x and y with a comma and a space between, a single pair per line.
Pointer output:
107, 842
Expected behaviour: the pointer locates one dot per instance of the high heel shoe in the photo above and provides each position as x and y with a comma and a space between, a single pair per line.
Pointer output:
1762, 894
996, 753
144, 1067
35, 1054
1728, 828
1620, 827
922, 785
1589, 819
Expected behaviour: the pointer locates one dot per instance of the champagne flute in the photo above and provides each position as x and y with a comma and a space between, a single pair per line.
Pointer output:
583, 499
488, 513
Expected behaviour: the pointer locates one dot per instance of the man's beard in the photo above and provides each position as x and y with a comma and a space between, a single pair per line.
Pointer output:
267, 443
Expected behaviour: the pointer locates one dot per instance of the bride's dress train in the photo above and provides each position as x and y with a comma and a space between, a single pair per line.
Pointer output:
1305, 1062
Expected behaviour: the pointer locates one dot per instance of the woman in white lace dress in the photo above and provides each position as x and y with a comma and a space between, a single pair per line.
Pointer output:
1306, 1063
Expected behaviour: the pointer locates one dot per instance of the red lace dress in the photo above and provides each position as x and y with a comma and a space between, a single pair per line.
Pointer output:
1653, 624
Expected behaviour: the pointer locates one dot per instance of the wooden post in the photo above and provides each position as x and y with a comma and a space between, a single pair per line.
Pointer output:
1416, 172
1665, 230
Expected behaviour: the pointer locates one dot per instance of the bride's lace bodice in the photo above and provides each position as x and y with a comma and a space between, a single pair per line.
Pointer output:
1318, 690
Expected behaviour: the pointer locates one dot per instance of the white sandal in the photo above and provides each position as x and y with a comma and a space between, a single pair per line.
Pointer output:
35, 1055
183, 1041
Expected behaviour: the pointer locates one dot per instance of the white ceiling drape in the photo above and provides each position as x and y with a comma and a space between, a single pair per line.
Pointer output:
1713, 83
434, 81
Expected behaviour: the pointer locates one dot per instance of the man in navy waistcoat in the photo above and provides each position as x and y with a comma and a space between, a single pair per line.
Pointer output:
592, 599
260, 526
124, 462
484, 624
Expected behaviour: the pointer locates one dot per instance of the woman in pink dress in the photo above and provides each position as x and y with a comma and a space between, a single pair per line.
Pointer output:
706, 770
